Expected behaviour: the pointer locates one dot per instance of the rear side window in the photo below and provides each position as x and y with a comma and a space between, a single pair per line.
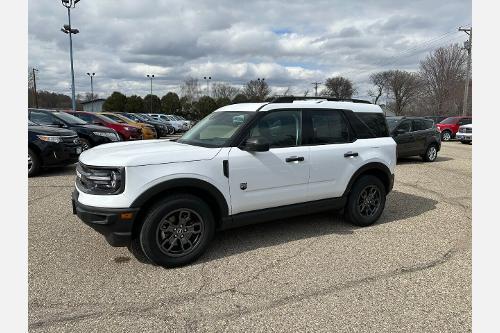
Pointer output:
83, 116
328, 127
368, 125
420, 125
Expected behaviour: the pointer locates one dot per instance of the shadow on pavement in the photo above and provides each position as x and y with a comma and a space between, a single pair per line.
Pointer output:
57, 171
417, 159
399, 206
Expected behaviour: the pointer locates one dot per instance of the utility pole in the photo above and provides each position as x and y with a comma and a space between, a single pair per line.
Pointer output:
34, 87
468, 47
92, 88
316, 84
151, 94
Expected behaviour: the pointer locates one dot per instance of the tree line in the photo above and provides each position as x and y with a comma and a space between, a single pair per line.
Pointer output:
435, 89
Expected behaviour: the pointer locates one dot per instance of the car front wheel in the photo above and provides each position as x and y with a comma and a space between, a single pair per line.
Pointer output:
366, 201
446, 136
177, 230
33, 163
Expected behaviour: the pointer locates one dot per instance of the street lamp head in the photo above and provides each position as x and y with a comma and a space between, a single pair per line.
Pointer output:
65, 31
93, 74
75, 31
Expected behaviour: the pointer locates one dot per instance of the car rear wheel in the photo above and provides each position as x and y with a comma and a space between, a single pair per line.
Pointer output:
177, 230
430, 154
33, 163
465, 142
446, 136
366, 201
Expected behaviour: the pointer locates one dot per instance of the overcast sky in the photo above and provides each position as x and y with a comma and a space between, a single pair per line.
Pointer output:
289, 43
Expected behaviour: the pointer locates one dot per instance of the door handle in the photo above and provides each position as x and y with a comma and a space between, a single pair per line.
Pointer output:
294, 159
350, 154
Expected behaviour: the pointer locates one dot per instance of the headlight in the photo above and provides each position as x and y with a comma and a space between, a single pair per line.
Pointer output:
109, 135
48, 138
100, 180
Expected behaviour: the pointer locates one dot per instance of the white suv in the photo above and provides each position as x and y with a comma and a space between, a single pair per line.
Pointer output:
242, 164
464, 134
179, 125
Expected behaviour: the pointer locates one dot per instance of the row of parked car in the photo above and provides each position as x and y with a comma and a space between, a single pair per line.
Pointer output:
57, 138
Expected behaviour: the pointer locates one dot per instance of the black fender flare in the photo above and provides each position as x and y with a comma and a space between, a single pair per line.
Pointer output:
372, 168
193, 185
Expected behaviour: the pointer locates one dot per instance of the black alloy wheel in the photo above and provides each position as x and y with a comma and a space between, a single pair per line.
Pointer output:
176, 230
366, 201
33, 163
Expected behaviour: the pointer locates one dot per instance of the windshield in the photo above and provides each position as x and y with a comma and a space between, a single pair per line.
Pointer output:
132, 117
30, 123
115, 118
67, 118
216, 129
392, 123
106, 119
450, 120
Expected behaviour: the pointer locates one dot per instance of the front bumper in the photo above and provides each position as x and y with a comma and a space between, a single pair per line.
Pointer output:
114, 223
464, 136
57, 154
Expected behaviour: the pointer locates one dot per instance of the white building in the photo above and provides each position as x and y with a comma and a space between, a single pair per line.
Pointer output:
93, 106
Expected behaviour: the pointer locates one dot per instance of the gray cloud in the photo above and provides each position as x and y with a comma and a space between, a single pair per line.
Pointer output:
290, 43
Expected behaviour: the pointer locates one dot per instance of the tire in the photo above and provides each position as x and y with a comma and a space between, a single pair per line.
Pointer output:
466, 142
122, 138
167, 244
85, 144
33, 163
364, 217
446, 136
430, 153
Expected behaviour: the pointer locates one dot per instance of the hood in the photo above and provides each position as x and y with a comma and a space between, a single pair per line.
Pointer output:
94, 128
467, 126
134, 153
45, 130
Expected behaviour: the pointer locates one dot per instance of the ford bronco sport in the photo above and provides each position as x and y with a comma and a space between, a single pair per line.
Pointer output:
242, 164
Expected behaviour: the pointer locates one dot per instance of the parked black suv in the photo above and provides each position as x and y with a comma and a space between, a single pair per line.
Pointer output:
50, 147
90, 135
415, 136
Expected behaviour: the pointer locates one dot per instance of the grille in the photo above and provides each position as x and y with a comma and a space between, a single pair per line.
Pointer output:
70, 140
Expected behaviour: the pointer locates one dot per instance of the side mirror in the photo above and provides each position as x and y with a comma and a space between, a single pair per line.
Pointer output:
256, 144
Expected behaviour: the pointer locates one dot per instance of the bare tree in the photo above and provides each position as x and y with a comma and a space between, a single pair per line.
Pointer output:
256, 90
89, 97
338, 87
443, 73
223, 91
403, 87
191, 89
379, 80
306, 92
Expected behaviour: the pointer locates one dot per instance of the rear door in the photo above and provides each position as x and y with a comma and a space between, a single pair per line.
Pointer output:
273, 178
334, 157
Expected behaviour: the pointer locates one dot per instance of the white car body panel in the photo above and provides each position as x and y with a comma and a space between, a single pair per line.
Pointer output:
461, 135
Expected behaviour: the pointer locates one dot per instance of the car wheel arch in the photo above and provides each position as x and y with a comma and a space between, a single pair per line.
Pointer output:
376, 169
199, 188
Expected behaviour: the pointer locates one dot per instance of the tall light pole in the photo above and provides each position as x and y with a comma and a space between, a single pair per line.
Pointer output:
92, 88
207, 79
68, 30
468, 47
151, 94
34, 87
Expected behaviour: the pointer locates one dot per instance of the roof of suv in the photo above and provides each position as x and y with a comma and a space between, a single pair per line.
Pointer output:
310, 103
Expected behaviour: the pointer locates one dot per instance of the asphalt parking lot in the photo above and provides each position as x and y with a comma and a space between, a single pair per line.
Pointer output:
411, 272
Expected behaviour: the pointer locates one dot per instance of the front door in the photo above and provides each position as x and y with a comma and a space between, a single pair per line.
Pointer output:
405, 139
273, 178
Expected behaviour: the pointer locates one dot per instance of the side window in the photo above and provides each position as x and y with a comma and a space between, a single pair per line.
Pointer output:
465, 121
375, 122
418, 125
84, 116
328, 127
405, 126
280, 129
42, 118
428, 124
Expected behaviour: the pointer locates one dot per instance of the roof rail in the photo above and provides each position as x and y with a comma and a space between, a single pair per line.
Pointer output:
291, 99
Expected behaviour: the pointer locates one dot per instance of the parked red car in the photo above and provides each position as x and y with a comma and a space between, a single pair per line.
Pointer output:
449, 126
126, 132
